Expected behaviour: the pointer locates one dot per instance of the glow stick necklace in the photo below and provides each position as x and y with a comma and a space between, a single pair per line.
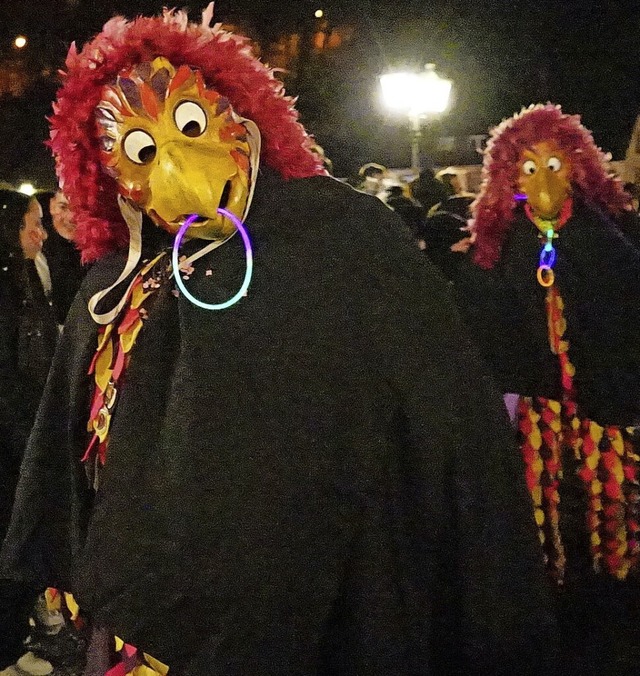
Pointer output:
249, 256
545, 272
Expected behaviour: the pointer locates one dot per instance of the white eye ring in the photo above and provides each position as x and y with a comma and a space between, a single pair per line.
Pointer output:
529, 167
554, 164
139, 146
190, 119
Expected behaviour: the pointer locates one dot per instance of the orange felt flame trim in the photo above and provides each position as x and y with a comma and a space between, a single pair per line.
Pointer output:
200, 84
240, 159
234, 131
149, 100
182, 75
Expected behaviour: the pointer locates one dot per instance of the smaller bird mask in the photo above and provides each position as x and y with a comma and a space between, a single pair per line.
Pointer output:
545, 178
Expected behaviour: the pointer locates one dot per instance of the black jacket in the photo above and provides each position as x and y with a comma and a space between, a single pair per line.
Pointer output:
318, 480
28, 334
67, 272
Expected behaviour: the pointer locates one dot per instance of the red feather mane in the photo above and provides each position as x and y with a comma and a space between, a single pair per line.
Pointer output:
227, 65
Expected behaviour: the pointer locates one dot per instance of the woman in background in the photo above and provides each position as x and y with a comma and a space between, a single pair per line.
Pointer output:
28, 334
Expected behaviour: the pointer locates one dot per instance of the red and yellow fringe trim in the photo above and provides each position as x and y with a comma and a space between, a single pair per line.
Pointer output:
608, 466
132, 662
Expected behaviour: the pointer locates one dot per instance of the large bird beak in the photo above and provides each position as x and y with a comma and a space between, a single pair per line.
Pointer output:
546, 193
193, 179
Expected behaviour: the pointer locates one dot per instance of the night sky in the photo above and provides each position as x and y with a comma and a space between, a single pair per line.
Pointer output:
500, 54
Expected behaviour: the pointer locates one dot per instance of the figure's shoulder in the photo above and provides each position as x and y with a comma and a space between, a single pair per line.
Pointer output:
313, 190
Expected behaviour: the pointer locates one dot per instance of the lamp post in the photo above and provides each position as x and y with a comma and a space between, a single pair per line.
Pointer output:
417, 95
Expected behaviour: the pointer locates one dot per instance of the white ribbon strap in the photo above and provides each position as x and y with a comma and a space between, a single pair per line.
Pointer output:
133, 219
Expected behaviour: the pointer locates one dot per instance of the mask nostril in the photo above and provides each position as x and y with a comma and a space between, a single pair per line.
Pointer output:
226, 193
199, 219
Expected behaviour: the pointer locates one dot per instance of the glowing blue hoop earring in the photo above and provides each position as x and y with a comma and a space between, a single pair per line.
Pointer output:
248, 251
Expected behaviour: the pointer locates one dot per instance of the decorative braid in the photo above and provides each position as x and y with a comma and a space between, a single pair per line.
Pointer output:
111, 359
608, 466
589, 455
611, 474
631, 490
539, 428
551, 431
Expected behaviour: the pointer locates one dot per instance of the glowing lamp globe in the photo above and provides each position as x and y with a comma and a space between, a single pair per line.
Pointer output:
27, 189
416, 94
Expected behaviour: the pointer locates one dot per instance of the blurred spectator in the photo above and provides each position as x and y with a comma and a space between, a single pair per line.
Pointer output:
451, 181
319, 151
460, 205
67, 272
411, 213
372, 178
428, 190
446, 237
28, 334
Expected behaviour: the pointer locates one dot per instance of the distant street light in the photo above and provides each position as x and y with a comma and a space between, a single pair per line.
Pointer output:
27, 189
417, 95
319, 14
20, 41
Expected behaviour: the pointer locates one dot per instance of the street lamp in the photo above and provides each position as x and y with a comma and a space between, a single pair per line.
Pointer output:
417, 95
27, 189
20, 42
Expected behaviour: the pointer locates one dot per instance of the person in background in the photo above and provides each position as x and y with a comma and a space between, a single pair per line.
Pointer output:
372, 178
551, 296
452, 181
28, 335
326, 161
409, 211
445, 238
67, 271
428, 190
628, 222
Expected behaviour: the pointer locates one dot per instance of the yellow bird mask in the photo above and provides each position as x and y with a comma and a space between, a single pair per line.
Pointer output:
177, 148
545, 178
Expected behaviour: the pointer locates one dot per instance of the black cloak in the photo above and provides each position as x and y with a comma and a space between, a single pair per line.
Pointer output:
597, 272
319, 480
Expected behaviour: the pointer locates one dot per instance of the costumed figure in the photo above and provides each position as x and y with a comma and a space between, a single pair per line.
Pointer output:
262, 448
553, 298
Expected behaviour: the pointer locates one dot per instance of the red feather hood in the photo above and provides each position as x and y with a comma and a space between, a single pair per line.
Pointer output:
227, 65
